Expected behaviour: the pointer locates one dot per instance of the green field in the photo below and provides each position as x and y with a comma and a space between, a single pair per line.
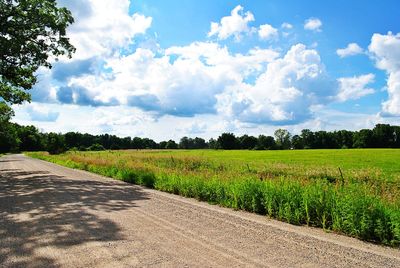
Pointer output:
354, 192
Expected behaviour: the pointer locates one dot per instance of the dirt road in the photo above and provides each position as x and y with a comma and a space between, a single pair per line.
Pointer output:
52, 216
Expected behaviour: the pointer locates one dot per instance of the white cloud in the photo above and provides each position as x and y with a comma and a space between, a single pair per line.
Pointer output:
117, 120
353, 88
284, 93
385, 50
195, 128
329, 120
234, 25
266, 31
44, 91
184, 81
101, 30
205, 78
185, 86
237, 65
103, 27
41, 113
287, 26
313, 24
351, 50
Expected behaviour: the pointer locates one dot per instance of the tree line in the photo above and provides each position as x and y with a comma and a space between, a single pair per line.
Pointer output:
16, 138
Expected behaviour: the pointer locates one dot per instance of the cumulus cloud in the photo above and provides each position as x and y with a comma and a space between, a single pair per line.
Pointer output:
183, 81
79, 95
183, 88
313, 24
101, 27
44, 91
353, 88
287, 26
266, 31
351, 50
284, 93
212, 54
113, 119
41, 114
234, 25
186, 85
62, 71
195, 128
385, 50
206, 78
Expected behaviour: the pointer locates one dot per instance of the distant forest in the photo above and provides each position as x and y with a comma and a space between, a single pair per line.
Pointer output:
16, 138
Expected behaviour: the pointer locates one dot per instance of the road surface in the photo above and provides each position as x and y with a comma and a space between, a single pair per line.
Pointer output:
52, 216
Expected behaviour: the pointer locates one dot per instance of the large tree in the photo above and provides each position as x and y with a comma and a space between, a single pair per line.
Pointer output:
228, 141
265, 143
32, 34
248, 142
282, 138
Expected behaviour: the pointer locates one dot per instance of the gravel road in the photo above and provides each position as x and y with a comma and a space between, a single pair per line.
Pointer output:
52, 216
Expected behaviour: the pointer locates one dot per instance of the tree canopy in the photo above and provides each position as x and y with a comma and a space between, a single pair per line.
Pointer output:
14, 138
31, 33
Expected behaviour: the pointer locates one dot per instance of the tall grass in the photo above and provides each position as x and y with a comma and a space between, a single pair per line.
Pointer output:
361, 206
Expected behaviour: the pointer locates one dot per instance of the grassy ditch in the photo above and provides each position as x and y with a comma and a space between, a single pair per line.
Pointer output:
362, 202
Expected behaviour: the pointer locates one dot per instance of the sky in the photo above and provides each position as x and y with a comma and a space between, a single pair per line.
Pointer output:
167, 69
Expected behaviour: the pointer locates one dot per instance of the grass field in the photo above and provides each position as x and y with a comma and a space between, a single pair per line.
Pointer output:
354, 192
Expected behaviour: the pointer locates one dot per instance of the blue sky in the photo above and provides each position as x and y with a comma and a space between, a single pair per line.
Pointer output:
166, 69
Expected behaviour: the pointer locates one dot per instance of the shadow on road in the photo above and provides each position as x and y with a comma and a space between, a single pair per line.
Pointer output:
39, 210
8, 160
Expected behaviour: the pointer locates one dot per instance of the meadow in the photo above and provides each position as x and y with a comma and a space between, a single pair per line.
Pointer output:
352, 192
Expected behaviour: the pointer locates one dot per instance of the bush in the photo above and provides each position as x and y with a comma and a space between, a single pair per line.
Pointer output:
96, 147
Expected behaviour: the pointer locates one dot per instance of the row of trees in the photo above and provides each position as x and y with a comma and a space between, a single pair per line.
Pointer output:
381, 136
14, 138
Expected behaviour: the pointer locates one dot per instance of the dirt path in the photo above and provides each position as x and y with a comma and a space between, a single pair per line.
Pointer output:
53, 216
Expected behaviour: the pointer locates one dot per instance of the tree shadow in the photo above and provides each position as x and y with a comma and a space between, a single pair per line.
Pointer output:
39, 210
8, 160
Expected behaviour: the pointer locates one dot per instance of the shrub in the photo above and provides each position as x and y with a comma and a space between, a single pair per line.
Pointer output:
96, 147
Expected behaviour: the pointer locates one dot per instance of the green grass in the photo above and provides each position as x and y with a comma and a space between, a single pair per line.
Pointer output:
384, 159
362, 199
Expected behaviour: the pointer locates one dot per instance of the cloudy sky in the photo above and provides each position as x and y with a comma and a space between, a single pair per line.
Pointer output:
166, 69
